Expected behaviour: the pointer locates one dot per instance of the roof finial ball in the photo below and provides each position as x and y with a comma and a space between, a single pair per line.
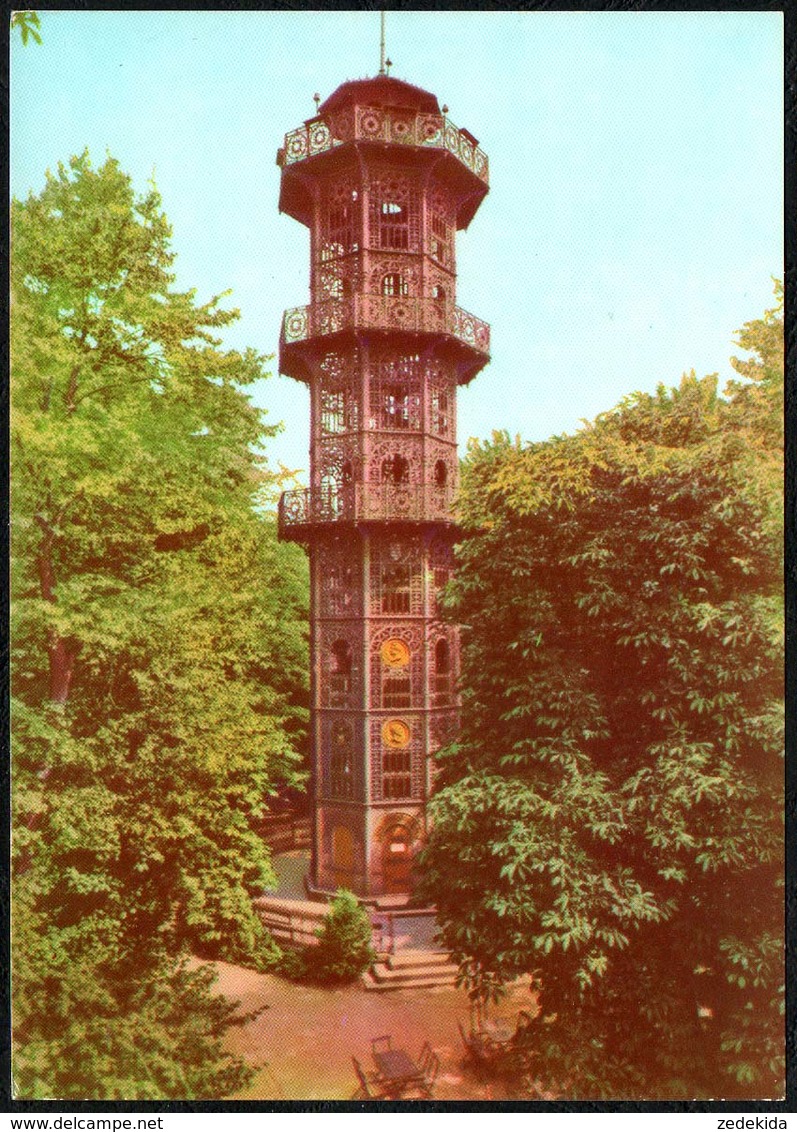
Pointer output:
388, 65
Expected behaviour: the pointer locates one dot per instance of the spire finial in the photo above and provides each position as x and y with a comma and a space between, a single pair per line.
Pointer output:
382, 44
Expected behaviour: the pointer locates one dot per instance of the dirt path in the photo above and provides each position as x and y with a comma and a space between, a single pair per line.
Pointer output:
303, 1043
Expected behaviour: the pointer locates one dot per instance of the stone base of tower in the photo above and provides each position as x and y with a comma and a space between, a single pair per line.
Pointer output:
371, 850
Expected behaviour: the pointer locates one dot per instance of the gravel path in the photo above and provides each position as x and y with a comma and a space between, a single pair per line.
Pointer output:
303, 1042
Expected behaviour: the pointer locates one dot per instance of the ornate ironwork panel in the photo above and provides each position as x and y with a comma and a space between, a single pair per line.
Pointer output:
341, 756
394, 221
390, 125
395, 388
340, 579
396, 584
441, 400
441, 569
397, 757
340, 231
397, 666
385, 312
340, 665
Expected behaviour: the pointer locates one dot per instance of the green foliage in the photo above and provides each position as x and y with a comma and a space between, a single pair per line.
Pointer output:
610, 818
158, 634
28, 24
344, 942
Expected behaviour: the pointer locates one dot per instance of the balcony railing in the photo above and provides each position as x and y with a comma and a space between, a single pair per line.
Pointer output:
366, 123
379, 312
364, 501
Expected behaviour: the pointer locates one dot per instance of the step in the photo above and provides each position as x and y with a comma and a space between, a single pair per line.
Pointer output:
414, 957
384, 974
409, 982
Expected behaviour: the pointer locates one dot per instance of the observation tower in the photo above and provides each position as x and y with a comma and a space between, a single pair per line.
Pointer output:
383, 181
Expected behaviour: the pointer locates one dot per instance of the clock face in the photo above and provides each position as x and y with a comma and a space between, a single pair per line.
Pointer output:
395, 653
395, 733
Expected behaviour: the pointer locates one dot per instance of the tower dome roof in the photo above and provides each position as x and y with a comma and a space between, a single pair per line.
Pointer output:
381, 90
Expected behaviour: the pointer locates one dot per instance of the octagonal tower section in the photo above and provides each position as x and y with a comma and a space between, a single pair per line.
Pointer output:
383, 181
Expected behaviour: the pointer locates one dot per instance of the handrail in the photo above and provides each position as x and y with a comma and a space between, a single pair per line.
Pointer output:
365, 501
377, 123
381, 312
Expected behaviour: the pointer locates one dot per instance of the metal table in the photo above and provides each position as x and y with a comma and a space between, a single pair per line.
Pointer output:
397, 1070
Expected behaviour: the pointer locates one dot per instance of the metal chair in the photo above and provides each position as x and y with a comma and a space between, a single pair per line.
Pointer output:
367, 1090
476, 1047
430, 1071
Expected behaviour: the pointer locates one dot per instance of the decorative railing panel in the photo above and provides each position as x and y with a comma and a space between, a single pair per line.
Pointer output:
379, 312
389, 125
360, 502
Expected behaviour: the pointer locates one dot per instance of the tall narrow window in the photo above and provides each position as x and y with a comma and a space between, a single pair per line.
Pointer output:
394, 221
395, 586
442, 672
440, 474
440, 414
339, 684
396, 777
338, 584
332, 411
341, 761
440, 240
342, 221
395, 407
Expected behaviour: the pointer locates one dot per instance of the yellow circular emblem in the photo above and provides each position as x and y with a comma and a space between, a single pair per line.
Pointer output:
395, 733
395, 653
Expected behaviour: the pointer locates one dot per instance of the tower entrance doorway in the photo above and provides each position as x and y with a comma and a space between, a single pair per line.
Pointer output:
342, 857
397, 858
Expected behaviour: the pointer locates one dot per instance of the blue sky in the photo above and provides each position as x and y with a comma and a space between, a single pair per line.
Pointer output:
635, 212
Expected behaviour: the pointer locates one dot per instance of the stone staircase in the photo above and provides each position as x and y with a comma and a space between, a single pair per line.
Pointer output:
411, 969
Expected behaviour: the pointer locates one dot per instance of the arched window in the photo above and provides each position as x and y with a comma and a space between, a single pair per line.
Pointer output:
440, 474
395, 285
439, 292
341, 778
339, 674
395, 469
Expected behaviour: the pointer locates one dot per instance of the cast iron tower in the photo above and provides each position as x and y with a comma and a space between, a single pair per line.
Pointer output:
383, 181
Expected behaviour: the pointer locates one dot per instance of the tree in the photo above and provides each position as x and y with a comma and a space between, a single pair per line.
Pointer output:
159, 641
610, 818
28, 25
344, 948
